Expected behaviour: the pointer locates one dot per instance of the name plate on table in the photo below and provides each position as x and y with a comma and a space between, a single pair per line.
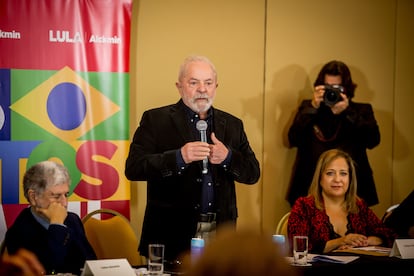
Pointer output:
108, 267
403, 248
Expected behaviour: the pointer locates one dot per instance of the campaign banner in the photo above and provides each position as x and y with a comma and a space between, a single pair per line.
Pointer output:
64, 96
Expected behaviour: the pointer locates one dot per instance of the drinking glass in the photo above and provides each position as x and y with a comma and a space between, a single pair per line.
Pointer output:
156, 259
300, 250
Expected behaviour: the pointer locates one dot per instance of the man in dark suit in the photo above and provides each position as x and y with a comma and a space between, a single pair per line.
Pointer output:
187, 197
46, 228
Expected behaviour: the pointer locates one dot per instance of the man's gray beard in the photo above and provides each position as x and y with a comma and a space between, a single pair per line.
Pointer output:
195, 107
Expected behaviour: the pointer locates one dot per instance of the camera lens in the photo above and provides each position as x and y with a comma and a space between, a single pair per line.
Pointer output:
332, 94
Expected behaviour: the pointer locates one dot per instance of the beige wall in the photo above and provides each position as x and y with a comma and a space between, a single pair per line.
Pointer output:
267, 54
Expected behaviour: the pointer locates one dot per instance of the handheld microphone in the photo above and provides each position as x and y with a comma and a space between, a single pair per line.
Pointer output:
202, 127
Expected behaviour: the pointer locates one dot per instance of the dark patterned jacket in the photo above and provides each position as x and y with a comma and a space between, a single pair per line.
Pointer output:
306, 219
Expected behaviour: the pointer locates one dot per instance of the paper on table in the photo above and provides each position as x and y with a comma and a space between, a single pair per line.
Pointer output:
403, 248
368, 250
375, 249
326, 258
145, 272
107, 267
331, 259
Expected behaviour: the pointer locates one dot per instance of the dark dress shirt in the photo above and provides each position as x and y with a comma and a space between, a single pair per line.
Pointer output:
314, 131
207, 191
306, 219
60, 248
174, 193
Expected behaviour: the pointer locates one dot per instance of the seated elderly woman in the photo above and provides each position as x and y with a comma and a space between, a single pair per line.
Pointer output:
46, 228
332, 215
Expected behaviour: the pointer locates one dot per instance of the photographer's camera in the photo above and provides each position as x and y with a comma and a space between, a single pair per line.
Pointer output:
332, 94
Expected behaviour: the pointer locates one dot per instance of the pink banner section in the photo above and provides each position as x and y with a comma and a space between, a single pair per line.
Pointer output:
86, 35
64, 95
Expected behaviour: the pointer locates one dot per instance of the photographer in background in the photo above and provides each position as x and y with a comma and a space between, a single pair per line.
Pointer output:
332, 120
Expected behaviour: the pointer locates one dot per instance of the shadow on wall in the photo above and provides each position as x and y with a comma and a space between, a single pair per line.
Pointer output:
290, 85
382, 167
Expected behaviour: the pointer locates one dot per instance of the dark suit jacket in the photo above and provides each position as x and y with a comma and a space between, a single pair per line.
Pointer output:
60, 249
402, 217
354, 131
173, 198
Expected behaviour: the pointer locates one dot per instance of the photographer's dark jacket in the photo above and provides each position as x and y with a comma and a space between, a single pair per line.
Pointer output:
173, 196
314, 131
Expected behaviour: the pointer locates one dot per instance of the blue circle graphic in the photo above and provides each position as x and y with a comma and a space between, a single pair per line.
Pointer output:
66, 106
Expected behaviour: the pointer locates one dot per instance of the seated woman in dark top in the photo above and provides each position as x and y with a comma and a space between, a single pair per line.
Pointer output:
332, 215
46, 228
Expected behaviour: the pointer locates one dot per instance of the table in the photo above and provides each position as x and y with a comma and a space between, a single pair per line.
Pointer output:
364, 265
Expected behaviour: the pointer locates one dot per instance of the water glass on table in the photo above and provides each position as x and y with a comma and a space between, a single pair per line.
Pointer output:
156, 259
300, 250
